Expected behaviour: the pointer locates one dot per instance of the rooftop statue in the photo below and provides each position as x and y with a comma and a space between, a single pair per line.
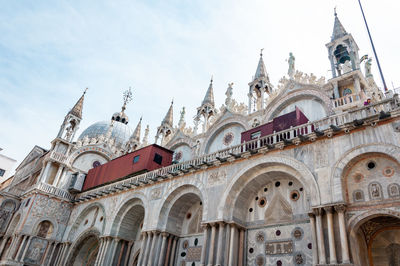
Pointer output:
291, 62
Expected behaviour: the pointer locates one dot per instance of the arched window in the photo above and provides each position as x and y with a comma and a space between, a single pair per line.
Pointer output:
45, 229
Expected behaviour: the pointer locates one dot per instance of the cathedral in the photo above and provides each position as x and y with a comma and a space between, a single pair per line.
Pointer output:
306, 172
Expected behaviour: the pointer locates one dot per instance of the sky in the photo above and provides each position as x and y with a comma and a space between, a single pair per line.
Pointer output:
50, 51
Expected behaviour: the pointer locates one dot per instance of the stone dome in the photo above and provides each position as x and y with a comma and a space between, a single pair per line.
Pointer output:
121, 132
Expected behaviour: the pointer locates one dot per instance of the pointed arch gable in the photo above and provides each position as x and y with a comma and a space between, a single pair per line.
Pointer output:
336, 178
261, 165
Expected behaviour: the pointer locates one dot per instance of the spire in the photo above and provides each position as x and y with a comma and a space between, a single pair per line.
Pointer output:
338, 29
136, 133
209, 97
260, 72
169, 117
77, 109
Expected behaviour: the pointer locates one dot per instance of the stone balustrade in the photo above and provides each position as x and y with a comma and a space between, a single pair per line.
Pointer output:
295, 135
52, 190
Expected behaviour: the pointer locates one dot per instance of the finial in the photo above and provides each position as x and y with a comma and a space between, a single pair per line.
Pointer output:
230, 84
212, 78
84, 92
172, 102
127, 97
335, 11
261, 52
140, 119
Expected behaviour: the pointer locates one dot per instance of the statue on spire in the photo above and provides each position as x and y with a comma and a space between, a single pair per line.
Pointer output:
229, 93
182, 123
291, 62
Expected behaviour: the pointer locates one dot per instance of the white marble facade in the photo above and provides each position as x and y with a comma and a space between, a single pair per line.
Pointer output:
323, 193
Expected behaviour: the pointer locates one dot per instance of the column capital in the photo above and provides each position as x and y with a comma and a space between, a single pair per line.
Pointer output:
318, 211
155, 232
341, 208
204, 226
311, 215
221, 223
164, 234
328, 209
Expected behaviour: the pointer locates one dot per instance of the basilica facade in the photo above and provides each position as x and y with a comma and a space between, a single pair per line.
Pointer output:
326, 192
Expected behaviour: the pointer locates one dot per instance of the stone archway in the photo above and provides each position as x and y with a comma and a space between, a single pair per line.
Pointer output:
85, 251
375, 239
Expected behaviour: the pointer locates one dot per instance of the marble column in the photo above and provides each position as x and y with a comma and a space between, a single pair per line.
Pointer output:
320, 236
241, 246
232, 246
220, 250
59, 253
128, 253
58, 175
340, 209
153, 250
173, 250
331, 236
114, 249
142, 248
167, 256
52, 253
163, 248
103, 258
99, 253
3, 243
147, 250
13, 246
314, 238
45, 172
26, 247
21, 246
65, 253
43, 260
204, 248
212, 243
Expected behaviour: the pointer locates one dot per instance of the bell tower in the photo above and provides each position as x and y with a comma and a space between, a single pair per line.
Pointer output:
72, 120
258, 87
342, 50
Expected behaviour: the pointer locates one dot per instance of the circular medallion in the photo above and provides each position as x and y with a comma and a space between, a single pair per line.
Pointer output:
185, 244
178, 155
260, 237
96, 164
294, 195
358, 177
297, 233
262, 202
228, 138
388, 171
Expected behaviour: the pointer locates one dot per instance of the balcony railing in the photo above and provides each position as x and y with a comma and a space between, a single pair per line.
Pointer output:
246, 148
350, 99
49, 189
58, 157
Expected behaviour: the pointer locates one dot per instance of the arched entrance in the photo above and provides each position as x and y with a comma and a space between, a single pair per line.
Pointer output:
182, 214
273, 208
85, 252
375, 241
127, 227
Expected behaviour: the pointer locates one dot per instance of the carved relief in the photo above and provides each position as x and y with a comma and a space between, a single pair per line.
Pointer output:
299, 259
358, 196
216, 178
279, 210
35, 251
281, 247
297, 233
375, 191
394, 190
156, 193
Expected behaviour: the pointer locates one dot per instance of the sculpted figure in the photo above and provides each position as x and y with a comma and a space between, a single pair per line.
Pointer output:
291, 61
368, 67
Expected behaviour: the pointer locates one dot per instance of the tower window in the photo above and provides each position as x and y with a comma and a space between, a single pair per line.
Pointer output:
2, 172
157, 158
136, 159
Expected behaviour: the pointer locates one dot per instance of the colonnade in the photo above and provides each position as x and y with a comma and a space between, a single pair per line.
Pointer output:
223, 244
318, 236
158, 248
19, 246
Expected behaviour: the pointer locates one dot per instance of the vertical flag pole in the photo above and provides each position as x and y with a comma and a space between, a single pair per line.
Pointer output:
373, 48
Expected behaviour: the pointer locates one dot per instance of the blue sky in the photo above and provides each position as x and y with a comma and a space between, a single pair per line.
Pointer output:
49, 52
